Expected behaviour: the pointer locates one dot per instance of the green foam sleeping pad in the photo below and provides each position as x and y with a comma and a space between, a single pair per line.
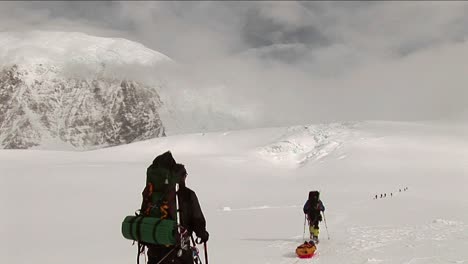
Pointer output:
150, 230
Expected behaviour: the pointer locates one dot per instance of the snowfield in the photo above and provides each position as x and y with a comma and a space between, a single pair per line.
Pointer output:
67, 207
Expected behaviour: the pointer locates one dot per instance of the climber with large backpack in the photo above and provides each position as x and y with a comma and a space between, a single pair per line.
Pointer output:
312, 210
169, 215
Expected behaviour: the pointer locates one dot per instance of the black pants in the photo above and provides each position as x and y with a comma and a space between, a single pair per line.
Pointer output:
314, 219
315, 224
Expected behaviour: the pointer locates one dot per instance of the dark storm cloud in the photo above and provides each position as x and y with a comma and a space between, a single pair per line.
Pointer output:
317, 61
260, 31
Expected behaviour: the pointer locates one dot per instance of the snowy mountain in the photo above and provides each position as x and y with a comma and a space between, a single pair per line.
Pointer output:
68, 90
252, 185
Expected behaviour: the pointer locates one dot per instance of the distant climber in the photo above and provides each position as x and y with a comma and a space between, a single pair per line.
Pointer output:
313, 209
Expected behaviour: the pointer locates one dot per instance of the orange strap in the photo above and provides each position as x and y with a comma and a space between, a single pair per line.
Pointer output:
148, 198
164, 207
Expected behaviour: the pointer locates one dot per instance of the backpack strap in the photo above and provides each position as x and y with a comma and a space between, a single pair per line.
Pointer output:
146, 205
164, 207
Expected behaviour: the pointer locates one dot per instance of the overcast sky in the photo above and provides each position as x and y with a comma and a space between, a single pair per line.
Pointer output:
278, 63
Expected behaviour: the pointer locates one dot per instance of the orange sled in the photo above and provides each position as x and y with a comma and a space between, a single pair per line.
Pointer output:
306, 250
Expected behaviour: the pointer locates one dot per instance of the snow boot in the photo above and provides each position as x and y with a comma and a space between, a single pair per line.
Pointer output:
315, 239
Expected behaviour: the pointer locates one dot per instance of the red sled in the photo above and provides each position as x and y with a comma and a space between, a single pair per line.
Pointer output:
307, 256
306, 250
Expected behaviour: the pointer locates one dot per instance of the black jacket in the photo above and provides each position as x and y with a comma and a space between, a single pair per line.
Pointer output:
313, 211
191, 217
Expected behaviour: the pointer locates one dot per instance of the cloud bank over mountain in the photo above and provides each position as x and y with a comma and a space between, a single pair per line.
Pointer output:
284, 63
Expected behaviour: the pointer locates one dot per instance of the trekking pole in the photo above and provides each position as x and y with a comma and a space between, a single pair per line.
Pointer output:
303, 234
198, 256
206, 253
326, 228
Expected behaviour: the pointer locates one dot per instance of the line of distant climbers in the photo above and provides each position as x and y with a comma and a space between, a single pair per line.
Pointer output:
384, 195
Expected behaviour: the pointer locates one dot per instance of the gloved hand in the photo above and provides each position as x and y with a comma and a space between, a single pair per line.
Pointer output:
203, 236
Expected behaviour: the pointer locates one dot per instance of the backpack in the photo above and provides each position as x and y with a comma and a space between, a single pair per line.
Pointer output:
157, 221
159, 194
313, 211
314, 197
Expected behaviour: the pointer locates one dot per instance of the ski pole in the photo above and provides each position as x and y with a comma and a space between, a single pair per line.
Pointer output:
326, 228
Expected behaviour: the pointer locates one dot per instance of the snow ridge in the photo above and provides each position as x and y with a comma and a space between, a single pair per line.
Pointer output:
301, 144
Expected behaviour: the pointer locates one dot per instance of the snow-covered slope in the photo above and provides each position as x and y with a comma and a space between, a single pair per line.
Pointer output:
303, 143
62, 48
66, 90
68, 206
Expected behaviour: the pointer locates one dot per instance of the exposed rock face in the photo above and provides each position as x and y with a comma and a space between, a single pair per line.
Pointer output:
84, 113
71, 90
